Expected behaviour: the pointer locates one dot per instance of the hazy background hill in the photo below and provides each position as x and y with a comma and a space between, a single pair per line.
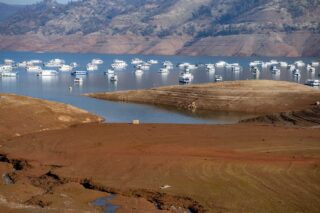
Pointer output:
192, 27
7, 10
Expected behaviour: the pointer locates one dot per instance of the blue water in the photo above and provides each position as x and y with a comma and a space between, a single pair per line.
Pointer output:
105, 204
57, 88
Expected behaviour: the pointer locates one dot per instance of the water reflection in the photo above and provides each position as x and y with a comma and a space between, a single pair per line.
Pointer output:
48, 80
211, 76
138, 77
106, 204
296, 78
164, 77
114, 85
57, 87
312, 75
256, 75
108, 77
78, 83
64, 78
276, 76
8, 81
236, 75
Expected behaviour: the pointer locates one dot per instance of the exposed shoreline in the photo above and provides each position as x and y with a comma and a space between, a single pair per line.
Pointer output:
23, 115
248, 96
65, 164
133, 161
229, 45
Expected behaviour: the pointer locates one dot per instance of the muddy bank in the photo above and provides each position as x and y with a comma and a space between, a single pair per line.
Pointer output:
251, 96
48, 184
20, 115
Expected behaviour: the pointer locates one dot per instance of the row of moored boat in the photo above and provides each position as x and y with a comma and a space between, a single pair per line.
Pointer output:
54, 66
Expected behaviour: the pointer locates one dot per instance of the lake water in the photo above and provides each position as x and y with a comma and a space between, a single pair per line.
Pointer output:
56, 88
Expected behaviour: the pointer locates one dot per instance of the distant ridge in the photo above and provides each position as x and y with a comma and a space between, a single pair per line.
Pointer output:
6, 10
187, 27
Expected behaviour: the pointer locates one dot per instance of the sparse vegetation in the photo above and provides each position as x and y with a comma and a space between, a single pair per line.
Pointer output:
208, 19
190, 30
203, 12
298, 8
153, 19
239, 8
163, 33
148, 31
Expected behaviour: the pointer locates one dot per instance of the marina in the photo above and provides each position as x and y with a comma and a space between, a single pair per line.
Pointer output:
64, 77
184, 106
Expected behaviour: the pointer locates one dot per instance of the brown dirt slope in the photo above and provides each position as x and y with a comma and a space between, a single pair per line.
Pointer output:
21, 115
275, 45
270, 44
231, 168
251, 96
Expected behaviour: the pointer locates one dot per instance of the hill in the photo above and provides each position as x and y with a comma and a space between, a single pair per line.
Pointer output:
254, 97
7, 10
190, 27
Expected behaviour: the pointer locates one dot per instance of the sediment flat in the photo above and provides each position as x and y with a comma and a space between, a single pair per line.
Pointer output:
250, 96
245, 167
229, 168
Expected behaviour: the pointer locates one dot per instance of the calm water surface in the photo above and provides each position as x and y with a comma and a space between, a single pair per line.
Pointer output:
56, 88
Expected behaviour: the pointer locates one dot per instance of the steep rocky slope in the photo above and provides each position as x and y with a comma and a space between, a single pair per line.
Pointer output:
192, 27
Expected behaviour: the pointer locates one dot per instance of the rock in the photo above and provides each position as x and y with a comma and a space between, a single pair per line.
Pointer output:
165, 187
136, 122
